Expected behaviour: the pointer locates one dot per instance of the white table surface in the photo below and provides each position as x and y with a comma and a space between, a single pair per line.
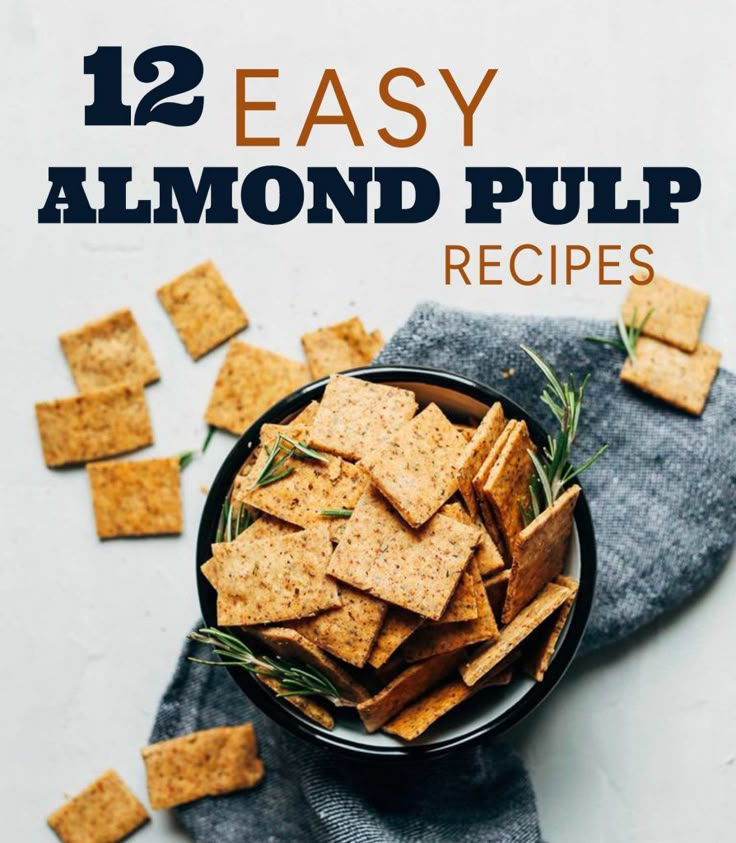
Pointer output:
637, 745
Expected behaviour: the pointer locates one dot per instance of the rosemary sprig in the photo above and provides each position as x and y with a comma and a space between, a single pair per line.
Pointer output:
337, 513
552, 466
231, 527
295, 679
185, 457
273, 469
628, 335
208, 438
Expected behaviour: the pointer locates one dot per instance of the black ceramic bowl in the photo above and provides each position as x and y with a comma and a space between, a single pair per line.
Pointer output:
491, 712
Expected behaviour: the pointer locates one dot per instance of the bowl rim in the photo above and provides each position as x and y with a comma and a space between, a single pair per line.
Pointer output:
303, 728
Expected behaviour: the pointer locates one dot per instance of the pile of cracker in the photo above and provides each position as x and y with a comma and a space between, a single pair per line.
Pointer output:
112, 363
671, 362
397, 562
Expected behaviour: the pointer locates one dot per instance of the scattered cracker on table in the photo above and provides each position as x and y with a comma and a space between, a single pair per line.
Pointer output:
476, 451
103, 423
538, 656
511, 636
349, 630
346, 345
307, 705
539, 552
410, 684
677, 311
292, 646
206, 763
104, 812
203, 309
109, 351
677, 377
250, 381
136, 498
355, 417
416, 469
397, 627
247, 571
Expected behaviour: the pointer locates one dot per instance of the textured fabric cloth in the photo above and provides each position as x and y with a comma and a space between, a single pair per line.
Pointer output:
662, 500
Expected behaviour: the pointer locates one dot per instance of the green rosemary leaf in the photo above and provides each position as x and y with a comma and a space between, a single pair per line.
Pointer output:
337, 513
266, 481
304, 450
208, 438
185, 458
617, 344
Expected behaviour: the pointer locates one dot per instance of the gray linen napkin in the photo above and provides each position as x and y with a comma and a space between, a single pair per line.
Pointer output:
662, 500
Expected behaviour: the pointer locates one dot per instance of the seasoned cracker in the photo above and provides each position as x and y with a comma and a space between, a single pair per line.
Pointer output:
104, 812
677, 311
675, 376
292, 646
203, 309
376, 342
414, 720
408, 686
539, 553
355, 417
463, 605
432, 640
542, 646
479, 481
520, 628
109, 351
247, 573
136, 498
487, 555
397, 627
507, 486
416, 468
103, 423
496, 586
250, 381
349, 630
206, 763
346, 345
476, 451
308, 707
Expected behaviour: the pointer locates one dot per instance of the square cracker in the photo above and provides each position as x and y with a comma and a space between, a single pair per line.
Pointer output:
355, 417
541, 648
675, 376
275, 578
432, 640
677, 311
136, 498
349, 630
308, 707
418, 570
507, 485
520, 628
104, 812
336, 348
539, 553
292, 646
476, 451
249, 382
484, 505
408, 686
206, 763
496, 587
103, 423
397, 627
107, 351
416, 469
487, 555
203, 309
463, 605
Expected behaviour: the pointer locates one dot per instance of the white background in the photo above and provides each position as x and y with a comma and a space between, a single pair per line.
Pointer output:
637, 746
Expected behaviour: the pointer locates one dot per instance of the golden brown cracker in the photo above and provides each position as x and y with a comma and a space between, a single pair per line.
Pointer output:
511, 636
349, 630
206, 763
275, 578
104, 812
479, 481
408, 686
487, 555
203, 309
463, 605
308, 707
103, 423
476, 451
376, 342
416, 469
542, 645
355, 417
345, 345
397, 627
677, 377
677, 312
136, 498
250, 381
414, 720
496, 586
507, 485
292, 646
109, 351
